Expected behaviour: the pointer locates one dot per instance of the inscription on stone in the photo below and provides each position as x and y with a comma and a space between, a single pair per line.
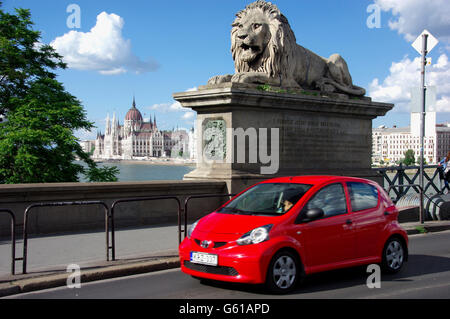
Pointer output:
316, 143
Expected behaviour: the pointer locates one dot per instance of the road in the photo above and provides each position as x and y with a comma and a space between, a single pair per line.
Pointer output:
425, 275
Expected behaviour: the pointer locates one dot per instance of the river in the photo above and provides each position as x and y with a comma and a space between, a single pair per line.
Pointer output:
146, 171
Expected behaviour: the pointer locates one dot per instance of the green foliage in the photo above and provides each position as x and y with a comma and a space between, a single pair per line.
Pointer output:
37, 143
109, 174
421, 229
419, 160
23, 58
409, 158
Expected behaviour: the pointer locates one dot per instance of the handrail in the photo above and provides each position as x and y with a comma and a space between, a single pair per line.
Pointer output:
13, 239
400, 177
53, 204
136, 199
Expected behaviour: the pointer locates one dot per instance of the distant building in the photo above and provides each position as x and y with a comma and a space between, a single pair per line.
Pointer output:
138, 139
390, 144
87, 146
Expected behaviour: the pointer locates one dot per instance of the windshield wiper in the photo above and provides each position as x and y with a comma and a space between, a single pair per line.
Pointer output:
235, 211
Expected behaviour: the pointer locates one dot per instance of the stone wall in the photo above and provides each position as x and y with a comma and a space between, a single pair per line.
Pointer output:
80, 218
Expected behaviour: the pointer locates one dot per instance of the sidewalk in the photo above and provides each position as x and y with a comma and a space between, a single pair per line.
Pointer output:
138, 250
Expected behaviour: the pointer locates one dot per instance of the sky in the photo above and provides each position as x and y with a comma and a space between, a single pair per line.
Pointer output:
151, 49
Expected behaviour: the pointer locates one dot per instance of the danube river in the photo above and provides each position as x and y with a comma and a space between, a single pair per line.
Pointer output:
146, 171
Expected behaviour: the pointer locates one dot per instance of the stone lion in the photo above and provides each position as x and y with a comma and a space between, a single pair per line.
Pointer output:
265, 51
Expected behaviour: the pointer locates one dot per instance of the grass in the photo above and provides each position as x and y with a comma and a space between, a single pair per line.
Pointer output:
268, 88
421, 229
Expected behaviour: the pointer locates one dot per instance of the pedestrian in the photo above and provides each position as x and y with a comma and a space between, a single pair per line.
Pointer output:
444, 172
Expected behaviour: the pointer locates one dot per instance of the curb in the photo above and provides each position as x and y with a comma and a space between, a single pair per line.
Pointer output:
58, 280
424, 229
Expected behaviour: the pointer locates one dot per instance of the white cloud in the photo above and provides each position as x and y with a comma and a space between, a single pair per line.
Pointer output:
411, 17
85, 135
171, 106
404, 75
102, 49
167, 107
188, 115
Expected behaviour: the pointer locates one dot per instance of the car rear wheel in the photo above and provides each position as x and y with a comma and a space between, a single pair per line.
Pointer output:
283, 273
393, 255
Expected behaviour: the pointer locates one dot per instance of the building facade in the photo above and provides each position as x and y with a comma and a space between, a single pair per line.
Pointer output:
390, 144
139, 139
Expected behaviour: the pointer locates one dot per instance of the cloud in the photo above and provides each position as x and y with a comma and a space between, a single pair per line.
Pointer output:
167, 107
411, 17
188, 115
174, 106
404, 75
102, 49
85, 135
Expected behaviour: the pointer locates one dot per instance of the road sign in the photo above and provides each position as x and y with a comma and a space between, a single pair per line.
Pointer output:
416, 99
431, 42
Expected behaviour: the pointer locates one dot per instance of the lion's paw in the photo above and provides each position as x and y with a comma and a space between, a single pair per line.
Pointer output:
219, 79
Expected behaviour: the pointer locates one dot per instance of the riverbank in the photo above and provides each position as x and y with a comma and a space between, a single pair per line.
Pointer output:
165, 162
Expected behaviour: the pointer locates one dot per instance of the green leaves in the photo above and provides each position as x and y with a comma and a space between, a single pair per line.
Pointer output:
37, 142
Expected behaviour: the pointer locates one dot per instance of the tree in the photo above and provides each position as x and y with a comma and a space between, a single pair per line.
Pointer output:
409, 158
37, 142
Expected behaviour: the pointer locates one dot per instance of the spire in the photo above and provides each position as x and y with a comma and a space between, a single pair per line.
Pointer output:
108, 125
154, 120
134, 102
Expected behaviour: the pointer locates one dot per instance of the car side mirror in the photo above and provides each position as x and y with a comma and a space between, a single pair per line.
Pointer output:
310, 215
314, 213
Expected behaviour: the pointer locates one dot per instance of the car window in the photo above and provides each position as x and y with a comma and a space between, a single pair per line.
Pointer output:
267, 199
331, 199
362, 196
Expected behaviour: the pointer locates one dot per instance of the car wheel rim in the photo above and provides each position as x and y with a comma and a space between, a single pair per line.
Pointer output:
394, 255
284, 272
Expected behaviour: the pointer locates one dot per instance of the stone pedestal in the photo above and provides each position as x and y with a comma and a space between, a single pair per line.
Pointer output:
249, 133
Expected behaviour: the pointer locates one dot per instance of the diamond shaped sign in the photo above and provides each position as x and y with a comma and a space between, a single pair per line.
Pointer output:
431, 42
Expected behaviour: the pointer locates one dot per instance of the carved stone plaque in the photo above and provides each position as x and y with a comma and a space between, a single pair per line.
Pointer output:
214, 139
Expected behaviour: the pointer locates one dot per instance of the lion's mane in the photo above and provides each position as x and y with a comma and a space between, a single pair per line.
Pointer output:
280, 48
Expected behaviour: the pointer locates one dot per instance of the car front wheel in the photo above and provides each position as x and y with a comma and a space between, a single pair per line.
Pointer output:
283, 273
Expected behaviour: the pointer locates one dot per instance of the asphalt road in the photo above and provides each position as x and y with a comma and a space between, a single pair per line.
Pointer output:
425, 275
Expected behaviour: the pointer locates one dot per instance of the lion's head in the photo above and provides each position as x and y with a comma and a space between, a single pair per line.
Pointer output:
261, 39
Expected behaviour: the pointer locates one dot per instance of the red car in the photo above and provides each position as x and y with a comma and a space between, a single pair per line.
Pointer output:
279, 230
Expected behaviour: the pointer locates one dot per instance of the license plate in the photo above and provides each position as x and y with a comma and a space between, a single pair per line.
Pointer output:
204, 258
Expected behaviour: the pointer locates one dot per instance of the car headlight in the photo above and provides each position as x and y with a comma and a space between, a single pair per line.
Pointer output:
191, 228
255, 236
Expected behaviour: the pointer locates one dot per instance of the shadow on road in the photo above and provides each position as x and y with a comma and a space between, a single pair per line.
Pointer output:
417, 265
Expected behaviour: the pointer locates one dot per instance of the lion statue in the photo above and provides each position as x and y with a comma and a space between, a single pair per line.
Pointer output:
265, 51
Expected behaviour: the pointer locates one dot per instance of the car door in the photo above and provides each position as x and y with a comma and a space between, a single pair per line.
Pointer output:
330, 239
368, 217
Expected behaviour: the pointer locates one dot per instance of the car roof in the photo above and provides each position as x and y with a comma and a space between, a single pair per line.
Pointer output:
315, 179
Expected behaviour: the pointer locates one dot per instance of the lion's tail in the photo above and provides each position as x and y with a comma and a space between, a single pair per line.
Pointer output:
353, 90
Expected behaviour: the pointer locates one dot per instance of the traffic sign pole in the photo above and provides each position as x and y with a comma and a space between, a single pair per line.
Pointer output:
422, 124
423, 44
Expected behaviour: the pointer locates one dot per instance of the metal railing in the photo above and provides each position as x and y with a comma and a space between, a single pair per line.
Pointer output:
137, 199
401, 188
13, 239
55, 204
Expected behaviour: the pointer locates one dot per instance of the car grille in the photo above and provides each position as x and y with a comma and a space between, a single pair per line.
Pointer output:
216, 270
217, 244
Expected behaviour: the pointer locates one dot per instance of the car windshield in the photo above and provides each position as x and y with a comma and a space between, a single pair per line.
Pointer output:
266, 199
